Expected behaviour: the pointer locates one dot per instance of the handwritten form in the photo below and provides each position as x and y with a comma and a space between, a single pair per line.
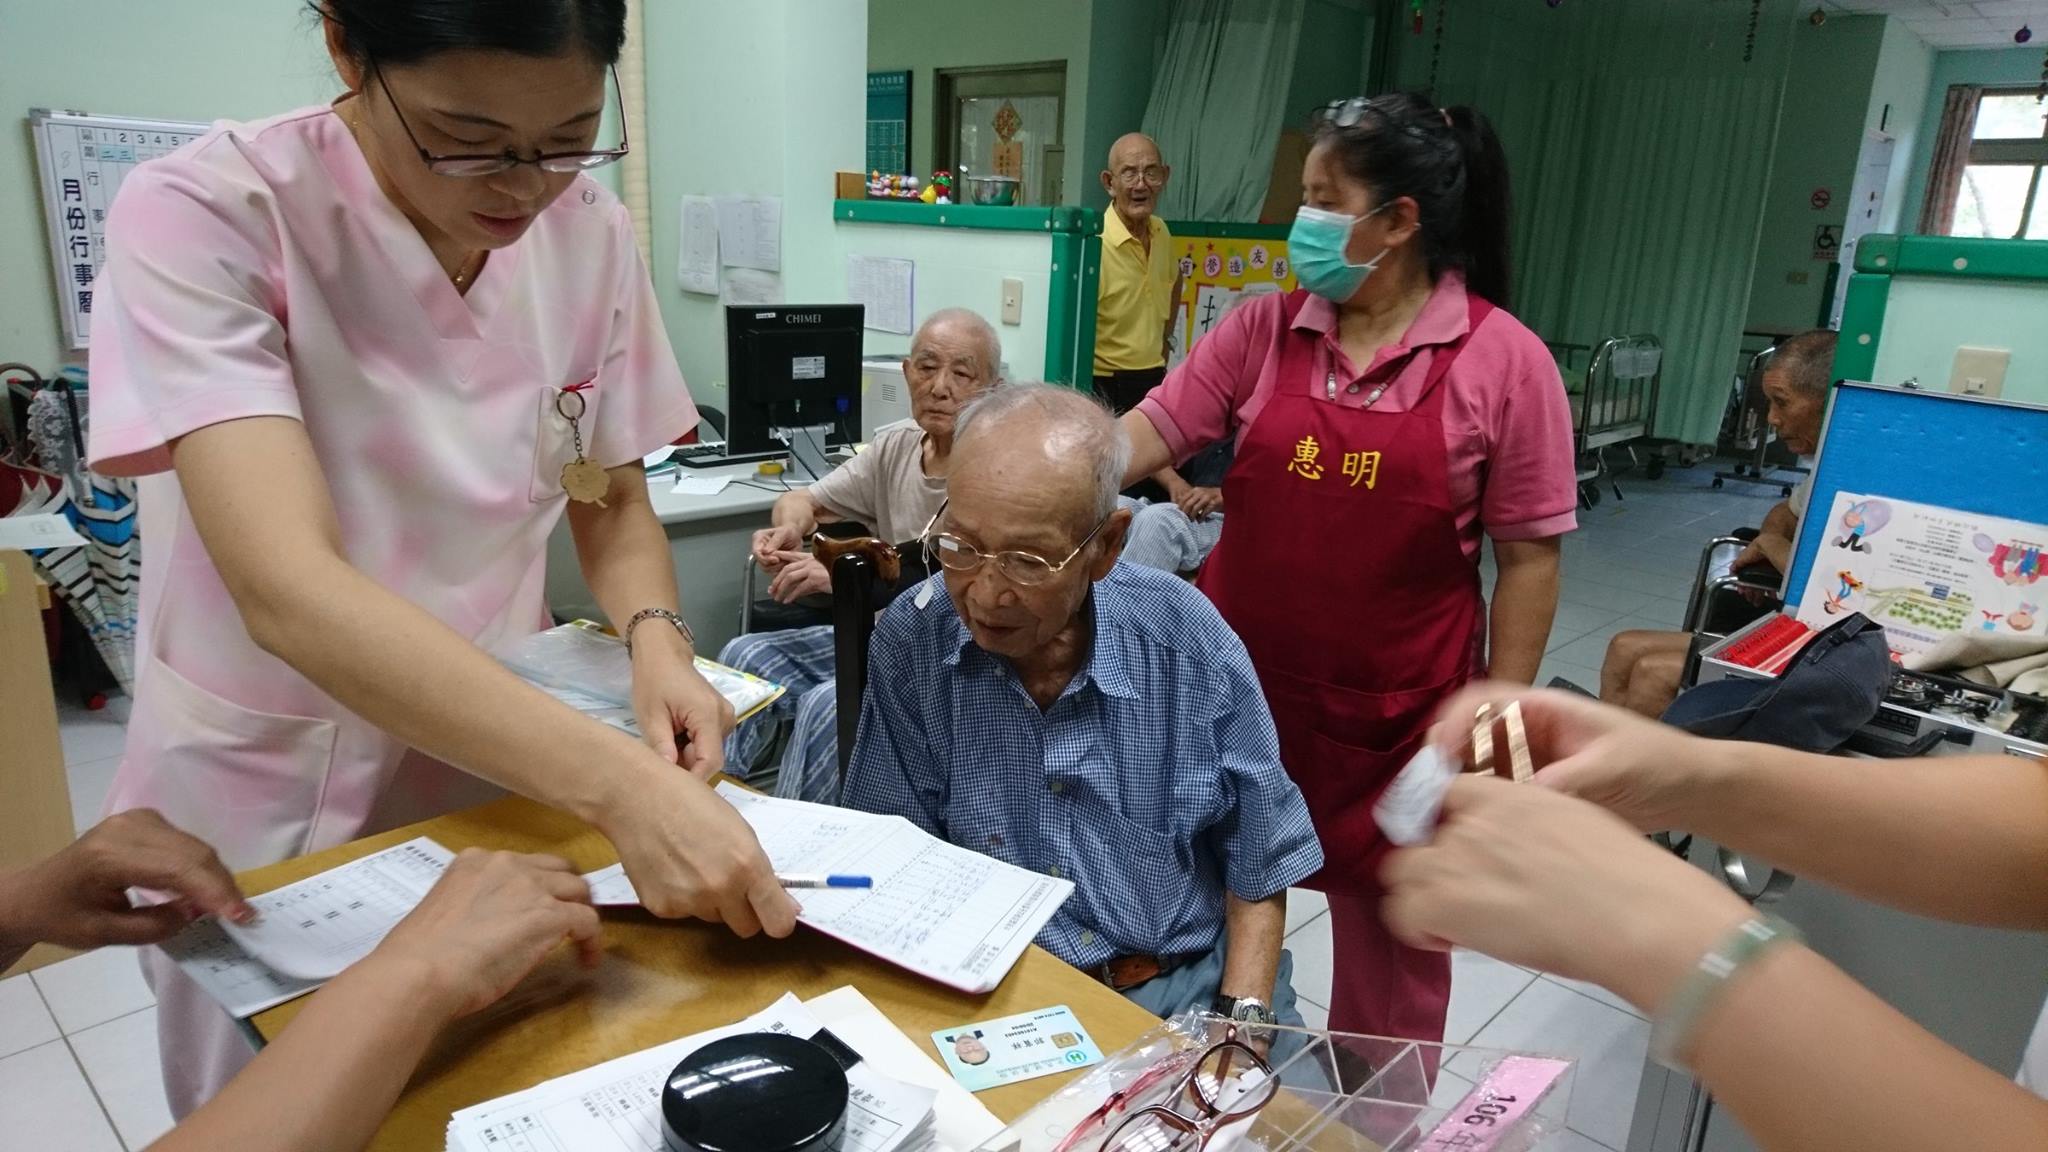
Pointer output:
616, 1106
944, 912
697, 255
886, 288
750, 232
306, 933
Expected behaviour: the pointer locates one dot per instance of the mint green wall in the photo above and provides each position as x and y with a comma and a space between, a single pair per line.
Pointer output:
1820, 131
1898, 105
927, 35
766, 98
1125, 41
1991, 66
221, 59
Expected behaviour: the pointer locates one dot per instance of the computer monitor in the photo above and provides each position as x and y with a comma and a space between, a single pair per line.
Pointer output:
792, 366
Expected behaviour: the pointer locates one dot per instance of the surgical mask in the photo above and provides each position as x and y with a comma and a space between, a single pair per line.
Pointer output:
1316, 245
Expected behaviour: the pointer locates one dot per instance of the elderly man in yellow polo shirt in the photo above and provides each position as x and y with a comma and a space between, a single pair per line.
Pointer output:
1134, 310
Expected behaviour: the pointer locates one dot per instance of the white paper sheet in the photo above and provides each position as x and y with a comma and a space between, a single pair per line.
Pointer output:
616, 1106
944, 912
609, 887
745, 286
750, 232
314, 929
887, 287
960, 1120
658, 457
697, 254
308, 932
43, 530
689, 485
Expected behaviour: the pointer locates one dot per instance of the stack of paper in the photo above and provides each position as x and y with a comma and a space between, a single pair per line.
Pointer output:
948, 913
616, 1106
591, 671
306, 933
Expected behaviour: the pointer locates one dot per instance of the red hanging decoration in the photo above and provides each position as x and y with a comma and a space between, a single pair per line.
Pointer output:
1415, 10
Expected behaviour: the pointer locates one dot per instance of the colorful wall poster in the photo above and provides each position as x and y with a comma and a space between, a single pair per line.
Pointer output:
1216, 273
1925, 572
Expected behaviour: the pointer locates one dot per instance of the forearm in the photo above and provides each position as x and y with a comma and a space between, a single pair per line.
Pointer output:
1172, 481
1253, 932
1776, 549
328, 1082
1982, 817
403, 670
1780, 521
624, 554
1809, 1061
1148, 449
1524, 603
798, 511
14, 936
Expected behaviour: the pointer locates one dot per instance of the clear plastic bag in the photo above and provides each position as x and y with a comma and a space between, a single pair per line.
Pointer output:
590, 670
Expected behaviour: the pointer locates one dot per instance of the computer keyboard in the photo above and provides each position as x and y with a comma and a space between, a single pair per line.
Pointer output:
712, 454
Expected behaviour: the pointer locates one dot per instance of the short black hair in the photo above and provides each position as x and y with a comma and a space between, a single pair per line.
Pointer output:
1807, 360
409, 31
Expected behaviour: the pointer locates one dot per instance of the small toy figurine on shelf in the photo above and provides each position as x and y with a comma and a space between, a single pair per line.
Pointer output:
891, 186
940, 190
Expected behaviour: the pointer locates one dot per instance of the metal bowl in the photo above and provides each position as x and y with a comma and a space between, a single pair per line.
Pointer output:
997, 190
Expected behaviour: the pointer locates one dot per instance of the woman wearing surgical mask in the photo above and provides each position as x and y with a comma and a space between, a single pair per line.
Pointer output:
1386, 416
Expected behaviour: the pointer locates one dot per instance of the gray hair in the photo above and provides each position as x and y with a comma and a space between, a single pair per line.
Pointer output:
977, 329
1078, 425
1807, 361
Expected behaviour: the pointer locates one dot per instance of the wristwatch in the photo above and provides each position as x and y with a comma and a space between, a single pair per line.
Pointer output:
1243, 1009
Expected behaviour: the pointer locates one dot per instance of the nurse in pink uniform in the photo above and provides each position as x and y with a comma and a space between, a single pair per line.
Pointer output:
364, 357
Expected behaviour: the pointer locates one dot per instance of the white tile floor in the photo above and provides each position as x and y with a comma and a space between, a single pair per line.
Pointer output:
78, 1064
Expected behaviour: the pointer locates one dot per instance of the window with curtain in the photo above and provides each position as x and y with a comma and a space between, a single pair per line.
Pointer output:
1995, 190
1005, 121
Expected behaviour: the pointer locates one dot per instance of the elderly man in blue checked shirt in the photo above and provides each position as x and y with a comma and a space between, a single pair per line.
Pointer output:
1041, 703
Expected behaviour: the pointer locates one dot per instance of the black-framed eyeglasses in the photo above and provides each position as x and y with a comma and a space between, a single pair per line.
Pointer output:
490, 164
1024, 568
1226, 1082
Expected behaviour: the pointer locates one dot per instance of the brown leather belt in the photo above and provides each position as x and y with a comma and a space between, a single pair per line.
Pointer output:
1127, 972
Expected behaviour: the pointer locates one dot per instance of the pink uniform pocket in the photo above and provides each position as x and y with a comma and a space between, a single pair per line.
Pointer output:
248, 783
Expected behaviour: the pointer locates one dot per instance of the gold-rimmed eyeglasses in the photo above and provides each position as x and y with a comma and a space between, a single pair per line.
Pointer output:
1024, 568
1223, 1083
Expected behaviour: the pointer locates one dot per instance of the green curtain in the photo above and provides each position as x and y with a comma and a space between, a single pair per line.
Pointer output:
1218, 99
1640, 141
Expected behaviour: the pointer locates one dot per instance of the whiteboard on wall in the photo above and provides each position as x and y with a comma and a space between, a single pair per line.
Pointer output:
81, 160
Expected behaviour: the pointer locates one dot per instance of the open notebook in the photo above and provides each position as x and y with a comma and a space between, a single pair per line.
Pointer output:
944, 912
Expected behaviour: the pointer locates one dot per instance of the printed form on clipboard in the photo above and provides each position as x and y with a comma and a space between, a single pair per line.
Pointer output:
941, 911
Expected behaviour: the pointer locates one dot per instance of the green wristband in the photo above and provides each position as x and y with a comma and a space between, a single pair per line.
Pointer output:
1750, 941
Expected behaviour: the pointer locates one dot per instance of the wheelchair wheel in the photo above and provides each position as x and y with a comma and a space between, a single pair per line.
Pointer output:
1654, 470
1718, 482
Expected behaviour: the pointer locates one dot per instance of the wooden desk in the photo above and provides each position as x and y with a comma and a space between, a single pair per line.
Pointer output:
665, 979
35, 798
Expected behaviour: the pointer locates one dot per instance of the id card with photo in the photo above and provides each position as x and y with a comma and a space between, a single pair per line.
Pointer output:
1014, 1048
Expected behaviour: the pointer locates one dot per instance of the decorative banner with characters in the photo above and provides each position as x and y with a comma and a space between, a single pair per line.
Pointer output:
1215, 274
1924, 572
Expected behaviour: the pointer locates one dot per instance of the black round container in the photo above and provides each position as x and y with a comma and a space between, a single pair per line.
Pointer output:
761, 1092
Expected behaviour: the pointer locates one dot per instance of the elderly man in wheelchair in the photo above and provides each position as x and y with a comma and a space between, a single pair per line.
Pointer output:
1740, 574
887, 494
